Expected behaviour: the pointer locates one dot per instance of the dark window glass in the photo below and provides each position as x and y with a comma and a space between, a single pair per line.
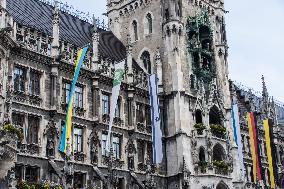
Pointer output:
145, 57
141, 151
78, 101
117, 109
19, 79
78, 140
150, 23
104, 141
139, 113
135, 30
79, 180
66, 92
148, 115
33, 127
34, 83
116, 146
31, 174
105, 104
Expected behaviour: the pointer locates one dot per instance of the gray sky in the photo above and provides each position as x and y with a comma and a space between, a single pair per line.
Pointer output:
255, 33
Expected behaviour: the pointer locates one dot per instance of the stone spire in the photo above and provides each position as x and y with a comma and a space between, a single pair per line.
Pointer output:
3, 13
129, 60
265, 97
55, 33
96, 40
3, 4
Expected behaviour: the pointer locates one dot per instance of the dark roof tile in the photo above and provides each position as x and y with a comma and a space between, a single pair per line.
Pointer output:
38, 15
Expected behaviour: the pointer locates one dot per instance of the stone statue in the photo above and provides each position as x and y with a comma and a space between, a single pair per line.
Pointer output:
194, 42
50, 146
94, 152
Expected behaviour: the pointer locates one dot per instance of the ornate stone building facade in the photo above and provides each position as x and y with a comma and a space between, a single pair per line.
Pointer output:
184, 42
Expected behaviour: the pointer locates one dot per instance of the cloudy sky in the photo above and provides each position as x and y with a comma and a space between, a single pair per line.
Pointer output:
256, 39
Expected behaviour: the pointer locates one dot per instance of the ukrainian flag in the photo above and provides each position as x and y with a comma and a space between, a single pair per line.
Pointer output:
66, 134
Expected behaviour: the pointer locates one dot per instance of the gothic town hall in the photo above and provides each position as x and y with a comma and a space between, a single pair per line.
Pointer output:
183, 42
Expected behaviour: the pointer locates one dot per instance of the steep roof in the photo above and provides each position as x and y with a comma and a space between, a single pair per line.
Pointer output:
38, 15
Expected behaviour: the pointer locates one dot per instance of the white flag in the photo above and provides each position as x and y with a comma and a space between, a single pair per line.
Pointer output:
237, 134
156, 120
118, 76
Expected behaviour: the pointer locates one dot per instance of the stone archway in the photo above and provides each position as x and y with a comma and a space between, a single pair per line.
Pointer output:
222, 185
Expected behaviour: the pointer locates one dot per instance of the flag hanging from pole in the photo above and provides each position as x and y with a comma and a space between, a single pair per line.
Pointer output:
118, 76
156, 120
237, 134
66, 134
268, 150
254, 147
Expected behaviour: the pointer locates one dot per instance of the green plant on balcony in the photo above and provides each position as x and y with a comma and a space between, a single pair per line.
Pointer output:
221, 165
200, 128
203, 165
9, 128
45, 185
218, 130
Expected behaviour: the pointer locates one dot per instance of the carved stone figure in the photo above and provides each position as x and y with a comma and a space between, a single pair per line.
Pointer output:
94, 143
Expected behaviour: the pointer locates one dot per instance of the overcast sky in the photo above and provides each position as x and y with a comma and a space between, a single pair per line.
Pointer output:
255, 30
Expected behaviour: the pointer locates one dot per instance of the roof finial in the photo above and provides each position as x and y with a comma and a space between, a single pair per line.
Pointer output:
95, 23
3, 3
264, 88
265, 98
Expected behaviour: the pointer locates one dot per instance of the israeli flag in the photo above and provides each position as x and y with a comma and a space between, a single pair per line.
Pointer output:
156, 120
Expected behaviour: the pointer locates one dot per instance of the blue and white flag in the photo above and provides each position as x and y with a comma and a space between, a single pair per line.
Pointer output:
156, 120
237, 134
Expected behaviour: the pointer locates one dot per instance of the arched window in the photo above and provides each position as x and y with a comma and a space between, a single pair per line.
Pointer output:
198, 116
135, 30
214, 116
145, 57
218, 153
201, 154
149, 23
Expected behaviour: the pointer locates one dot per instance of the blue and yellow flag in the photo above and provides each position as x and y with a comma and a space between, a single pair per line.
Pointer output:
66, 134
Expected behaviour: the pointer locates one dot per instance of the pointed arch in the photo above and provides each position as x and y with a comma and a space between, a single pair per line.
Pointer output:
135, 30
219, 153
146, 61
222, 185
149, 23
214, 115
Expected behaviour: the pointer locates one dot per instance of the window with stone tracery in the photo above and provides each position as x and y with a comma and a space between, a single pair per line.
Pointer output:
78, 94
33, 129
19, 79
